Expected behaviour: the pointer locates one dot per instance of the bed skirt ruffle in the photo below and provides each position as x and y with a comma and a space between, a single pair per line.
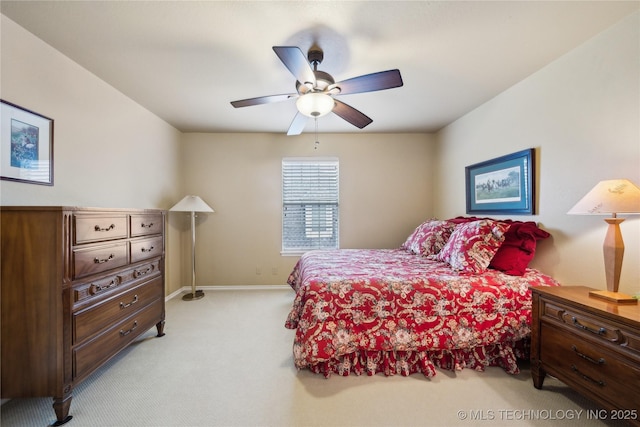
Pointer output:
406, 363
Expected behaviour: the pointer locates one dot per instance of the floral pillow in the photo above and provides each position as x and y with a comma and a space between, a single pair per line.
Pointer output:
429, 237
412, 240
518, 248
472, 245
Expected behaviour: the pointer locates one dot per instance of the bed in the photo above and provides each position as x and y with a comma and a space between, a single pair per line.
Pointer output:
440, 300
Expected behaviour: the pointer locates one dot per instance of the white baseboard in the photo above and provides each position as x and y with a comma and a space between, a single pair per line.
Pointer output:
187, 289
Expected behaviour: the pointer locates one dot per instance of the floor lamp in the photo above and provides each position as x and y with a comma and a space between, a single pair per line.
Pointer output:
192, 204
611, 197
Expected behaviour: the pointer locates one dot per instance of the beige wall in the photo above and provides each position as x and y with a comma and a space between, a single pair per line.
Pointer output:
385, 192
108, 151
582, 115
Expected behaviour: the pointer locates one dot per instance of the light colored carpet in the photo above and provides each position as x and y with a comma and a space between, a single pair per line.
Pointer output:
226, 361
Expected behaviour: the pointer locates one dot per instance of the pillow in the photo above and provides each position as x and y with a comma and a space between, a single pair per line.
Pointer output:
429, 237
409, 243
518, 248
472, 245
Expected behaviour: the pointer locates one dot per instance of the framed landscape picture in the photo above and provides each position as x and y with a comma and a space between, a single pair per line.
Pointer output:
26, 146
504, 185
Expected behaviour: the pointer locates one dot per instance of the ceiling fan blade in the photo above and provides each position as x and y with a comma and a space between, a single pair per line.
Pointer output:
351, 115
293, 58
298, 124
263, 100
371, 82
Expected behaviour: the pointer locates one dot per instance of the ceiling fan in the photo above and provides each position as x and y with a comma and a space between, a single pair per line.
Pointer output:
316, 90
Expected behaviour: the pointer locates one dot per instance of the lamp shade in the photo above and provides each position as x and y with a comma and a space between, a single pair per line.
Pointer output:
609, 197
191, 204
315, 104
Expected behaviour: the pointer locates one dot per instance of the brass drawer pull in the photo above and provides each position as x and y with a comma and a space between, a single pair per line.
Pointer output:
109, 228
102, 261
143, 225
135, 300
600, 361
125, 333
94, 289
147, 250
138, 273
587, 377
577, 324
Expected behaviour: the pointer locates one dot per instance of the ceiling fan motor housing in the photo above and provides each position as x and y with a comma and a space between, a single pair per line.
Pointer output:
315, 55
323, 80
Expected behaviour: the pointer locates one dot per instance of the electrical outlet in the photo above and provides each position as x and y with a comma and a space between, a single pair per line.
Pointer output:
258, 271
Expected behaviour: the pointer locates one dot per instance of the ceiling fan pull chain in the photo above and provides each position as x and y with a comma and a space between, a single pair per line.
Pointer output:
317, 142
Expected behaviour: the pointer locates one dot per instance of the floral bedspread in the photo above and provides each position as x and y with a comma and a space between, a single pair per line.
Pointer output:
386, 310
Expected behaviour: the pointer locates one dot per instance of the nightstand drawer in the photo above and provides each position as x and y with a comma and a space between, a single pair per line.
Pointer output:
591, 326
591, 366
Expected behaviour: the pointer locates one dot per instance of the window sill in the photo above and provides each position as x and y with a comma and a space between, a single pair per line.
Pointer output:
304, 251
292, 253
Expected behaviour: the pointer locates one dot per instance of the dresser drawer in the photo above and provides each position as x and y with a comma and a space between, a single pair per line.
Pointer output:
591, 326
146, 248
84, 292
96, 228
96, 287
588, 365
89, 356
97, 317
146, 224
97, 259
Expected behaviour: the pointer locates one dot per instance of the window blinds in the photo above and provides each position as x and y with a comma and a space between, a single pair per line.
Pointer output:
309, 204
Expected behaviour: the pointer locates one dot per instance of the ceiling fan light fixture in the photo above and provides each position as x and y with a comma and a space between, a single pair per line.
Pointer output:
315, 104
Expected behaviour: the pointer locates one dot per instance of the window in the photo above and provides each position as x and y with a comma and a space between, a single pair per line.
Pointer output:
309, 204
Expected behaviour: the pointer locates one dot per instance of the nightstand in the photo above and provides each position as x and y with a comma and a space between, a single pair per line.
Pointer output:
590, 344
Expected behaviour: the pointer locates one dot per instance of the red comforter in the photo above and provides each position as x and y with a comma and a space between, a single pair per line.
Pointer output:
394, 312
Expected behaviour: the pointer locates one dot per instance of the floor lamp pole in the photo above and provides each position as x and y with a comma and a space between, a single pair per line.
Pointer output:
194, 294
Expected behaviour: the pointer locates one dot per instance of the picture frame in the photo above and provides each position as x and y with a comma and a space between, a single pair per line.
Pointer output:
26, 145
504, 185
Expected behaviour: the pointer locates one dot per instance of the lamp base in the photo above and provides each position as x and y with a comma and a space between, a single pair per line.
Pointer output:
614, 297
191, 296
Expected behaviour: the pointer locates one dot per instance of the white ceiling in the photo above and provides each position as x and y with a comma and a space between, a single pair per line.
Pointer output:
186, 60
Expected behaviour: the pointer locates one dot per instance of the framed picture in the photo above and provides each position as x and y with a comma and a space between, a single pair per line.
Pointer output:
504, 185
26, 139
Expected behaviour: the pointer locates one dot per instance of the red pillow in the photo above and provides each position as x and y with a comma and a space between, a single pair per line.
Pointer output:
518, 248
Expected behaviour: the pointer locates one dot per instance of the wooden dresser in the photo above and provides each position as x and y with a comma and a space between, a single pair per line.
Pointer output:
78, 285
589, 344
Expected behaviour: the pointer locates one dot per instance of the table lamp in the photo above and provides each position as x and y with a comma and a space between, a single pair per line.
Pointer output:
192, 204
617, 196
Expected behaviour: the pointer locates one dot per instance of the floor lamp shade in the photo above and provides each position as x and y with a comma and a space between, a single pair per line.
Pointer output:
192, 204
611, 197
